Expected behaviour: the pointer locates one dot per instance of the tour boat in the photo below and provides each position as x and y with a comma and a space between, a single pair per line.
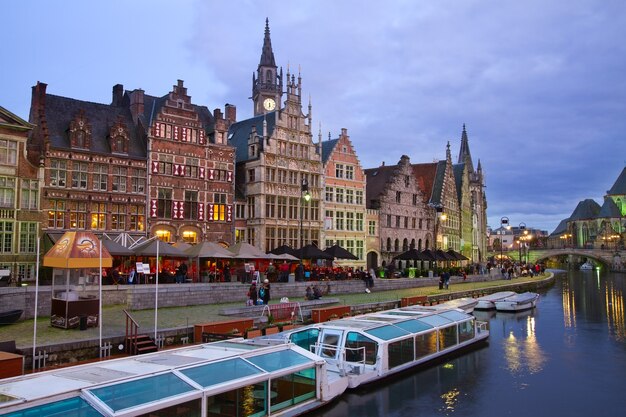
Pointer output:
488, 302
518, 302
587, 266
284, 374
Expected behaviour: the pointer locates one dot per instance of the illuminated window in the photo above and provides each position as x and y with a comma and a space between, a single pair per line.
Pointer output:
118, 216
137, 217
78, 214
98, 216
190, 236
56, 214
219, 208
164, 235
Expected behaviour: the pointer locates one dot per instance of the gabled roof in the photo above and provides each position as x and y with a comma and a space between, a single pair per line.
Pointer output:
585, 210
153, 105
425, 175
12, 121
327, 149
239, 133
458, 179
561, 228
377, 179
619, 188
609, 209
60, 111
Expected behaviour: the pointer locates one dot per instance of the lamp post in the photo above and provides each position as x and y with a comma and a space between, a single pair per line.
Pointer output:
522, 237
504, 223
305, 198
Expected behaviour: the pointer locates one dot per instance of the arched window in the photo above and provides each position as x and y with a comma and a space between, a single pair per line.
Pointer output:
419, 244
405, 245
412, 244
80, 139
268, 76
396, 245
388, 244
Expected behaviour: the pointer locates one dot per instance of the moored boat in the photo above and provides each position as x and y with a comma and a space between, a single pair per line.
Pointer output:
488, 302
518, 302
285, 374
11, 316
587, 266
467, 304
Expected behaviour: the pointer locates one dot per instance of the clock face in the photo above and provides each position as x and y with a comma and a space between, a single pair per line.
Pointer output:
269, 104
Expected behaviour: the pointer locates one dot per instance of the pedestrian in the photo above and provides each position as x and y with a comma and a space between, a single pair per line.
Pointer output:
446, 279
227, 273
132, 276
308, 295
264, 291
252, 295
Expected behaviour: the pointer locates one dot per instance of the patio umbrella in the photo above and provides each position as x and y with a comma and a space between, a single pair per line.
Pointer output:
457, 256
443, 256
411, 255
312, 252
116, 249
285, 257
208, 250
182, 245
338, 252
164, 249
243, 250
430, 255
282, 250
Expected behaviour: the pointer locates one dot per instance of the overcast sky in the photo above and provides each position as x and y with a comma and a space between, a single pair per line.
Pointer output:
540, 84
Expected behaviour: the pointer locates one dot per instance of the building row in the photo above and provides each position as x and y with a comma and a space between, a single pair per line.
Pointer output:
144, 166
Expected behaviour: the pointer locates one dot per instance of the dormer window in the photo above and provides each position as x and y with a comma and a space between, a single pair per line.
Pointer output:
80, 131
118, 137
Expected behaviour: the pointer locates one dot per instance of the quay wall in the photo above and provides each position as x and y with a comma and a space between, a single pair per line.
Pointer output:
139, 297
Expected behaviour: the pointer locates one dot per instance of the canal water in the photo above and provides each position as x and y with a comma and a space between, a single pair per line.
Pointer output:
567, 357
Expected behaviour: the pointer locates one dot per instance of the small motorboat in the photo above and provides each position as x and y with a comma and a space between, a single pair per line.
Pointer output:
488, 302
11, 316
467, 304
587, 266
518, 302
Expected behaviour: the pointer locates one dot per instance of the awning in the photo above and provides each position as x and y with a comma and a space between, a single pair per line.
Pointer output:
77, 250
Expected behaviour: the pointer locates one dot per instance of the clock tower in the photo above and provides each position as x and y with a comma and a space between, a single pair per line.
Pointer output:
267, 83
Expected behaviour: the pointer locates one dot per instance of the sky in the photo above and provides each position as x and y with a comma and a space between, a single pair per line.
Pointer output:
539, 84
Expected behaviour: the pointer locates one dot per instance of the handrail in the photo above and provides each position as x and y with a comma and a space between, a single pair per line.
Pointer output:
132, 331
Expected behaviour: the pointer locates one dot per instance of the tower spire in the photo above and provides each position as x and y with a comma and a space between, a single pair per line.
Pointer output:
267, 54
465, 156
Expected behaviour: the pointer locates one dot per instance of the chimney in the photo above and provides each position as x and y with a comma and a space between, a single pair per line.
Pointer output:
136, 104
383, 164
38, 100
118, 95
231, 113
344, 131
217, 114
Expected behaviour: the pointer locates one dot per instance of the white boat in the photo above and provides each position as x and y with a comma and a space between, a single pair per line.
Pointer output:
587, 266
518, 302
467, 304
488, 302
285, 374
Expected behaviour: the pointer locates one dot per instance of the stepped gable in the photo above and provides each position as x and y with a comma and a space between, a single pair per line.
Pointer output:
377, 179
585, 210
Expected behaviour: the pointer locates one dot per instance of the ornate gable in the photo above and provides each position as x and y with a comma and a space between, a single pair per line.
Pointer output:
80, 131
119, 137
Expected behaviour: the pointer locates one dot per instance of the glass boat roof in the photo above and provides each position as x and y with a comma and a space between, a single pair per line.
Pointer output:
119, 385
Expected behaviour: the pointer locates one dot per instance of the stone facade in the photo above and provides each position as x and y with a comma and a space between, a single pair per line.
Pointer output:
191, 189
20, 188
405, 220
344, 198
275, 156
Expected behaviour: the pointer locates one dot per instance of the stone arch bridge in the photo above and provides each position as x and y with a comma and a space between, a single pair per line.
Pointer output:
612, 259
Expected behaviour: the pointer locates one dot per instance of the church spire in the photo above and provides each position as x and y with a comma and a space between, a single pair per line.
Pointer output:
267, 54
465, 156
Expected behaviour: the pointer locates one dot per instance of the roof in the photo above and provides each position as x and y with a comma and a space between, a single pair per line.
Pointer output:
239, 133
327, 149
458, 179
619, 187
561, 228
377, 179
60, 111
425, 175
609, 209
585, 210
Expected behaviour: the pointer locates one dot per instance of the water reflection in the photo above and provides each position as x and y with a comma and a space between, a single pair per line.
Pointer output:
522, 351
597, 298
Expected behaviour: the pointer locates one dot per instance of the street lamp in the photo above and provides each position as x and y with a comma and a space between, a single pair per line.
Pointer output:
504, 223
522, 237
306, 197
